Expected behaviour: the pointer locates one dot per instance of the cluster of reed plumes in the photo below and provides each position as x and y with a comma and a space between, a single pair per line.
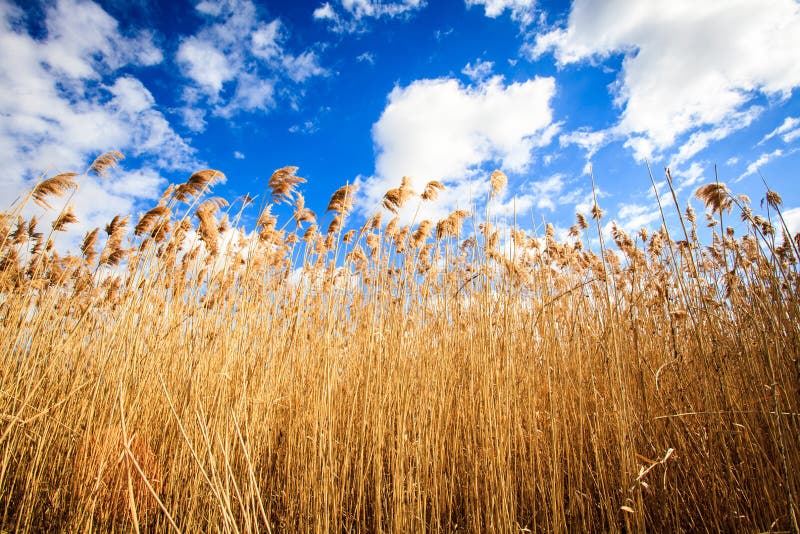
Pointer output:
179, 373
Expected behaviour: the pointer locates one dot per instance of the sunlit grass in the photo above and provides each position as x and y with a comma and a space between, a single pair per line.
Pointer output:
388, 378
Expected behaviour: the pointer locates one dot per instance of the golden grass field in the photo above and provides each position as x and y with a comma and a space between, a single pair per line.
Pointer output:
454, 375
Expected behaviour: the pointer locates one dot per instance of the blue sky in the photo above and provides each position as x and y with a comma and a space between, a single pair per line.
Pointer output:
369, 91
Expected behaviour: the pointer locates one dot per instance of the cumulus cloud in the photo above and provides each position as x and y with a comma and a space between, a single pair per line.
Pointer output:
236, 62
687, 65
204, 64
440, 129
352, 16
63, 102
522, 11
478, 72
634, 217
792, 218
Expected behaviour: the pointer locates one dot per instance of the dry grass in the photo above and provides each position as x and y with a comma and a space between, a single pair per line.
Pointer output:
393, 378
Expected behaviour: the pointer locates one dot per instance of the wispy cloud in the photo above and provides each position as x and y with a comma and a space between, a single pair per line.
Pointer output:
307, 127
762, 160
701, 139
352, 16
236, 62
366, 57
789, 130
633, 217
478, 72
589, 140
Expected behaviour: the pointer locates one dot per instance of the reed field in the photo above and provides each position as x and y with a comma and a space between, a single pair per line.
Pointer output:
308, 374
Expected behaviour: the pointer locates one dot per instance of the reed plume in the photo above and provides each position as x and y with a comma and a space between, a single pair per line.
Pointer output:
197, 184
498, 181
715, 196
56, 186
106, 161
394, 198
342, 199
283, 183
64, 218
431, 191
150, 219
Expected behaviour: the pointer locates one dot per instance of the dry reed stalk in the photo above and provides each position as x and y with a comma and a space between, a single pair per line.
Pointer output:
304, 381
99, 474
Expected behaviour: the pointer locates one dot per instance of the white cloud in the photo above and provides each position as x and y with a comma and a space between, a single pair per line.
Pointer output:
701, 139
236, 61
684, 178
206, 65
543, 192
762, 160
351, 16
440, 129
302, 67
788, 131
84, 38
265, 40
366, 57
193, 118
521, 10
792, 218
687, 64
633, 217
57, 118
252, 93
479, 72
442, 34
790, 136
588, 140
308, 127
325, 12
131, 96
238, 155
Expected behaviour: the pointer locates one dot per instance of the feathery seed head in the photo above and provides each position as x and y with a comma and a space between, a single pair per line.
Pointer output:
283, 183
106, 161
432, 189
197, 184
55, 186
715, 196
498, 181
64, 218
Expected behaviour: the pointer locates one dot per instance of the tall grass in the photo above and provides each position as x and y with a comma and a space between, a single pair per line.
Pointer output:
386, 378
